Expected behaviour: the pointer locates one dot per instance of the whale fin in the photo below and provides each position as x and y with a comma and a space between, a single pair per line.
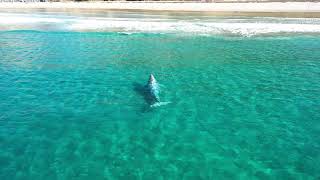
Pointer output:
157, 104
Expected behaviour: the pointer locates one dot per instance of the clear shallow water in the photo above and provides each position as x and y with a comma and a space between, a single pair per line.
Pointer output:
242, 108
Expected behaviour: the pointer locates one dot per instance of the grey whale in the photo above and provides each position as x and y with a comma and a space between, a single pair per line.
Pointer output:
153, 88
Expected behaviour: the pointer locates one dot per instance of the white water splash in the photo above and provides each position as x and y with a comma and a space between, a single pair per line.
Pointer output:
158, 104
239, 26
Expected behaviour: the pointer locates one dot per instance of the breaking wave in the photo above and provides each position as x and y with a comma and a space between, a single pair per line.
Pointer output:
238, 26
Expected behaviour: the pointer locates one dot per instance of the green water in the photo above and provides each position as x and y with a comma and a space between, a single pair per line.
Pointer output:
241, 108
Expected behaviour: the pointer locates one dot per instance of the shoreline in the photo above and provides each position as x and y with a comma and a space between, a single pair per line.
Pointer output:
269, 7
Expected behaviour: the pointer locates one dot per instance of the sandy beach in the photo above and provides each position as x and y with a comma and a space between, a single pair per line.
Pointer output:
276, 7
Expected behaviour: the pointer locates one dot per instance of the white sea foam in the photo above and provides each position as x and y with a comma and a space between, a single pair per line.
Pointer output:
7, 19
245, 29
239, 26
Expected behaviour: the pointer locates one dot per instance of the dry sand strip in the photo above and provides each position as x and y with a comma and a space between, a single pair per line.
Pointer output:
271, 9
162, 6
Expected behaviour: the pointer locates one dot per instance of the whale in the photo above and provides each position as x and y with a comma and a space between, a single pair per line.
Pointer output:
153, 89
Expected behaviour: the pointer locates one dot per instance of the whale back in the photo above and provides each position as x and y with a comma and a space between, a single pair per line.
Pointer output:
153, 87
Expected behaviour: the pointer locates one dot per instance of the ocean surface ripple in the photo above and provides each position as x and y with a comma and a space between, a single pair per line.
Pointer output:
242, 108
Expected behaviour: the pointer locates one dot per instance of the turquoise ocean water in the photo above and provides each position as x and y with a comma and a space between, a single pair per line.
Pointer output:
71, 106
